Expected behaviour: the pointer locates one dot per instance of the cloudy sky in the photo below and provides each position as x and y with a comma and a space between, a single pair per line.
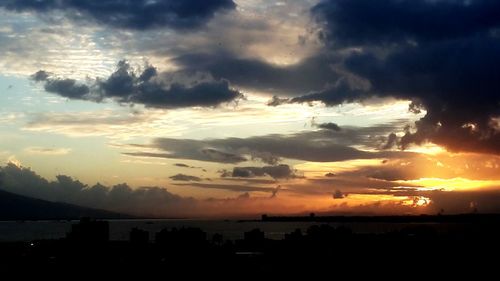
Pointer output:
209, 108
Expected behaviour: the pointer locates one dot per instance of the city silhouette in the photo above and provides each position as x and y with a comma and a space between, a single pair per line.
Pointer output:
319, 247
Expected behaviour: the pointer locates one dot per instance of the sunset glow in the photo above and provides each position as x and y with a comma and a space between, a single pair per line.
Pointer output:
244, 107
454, 184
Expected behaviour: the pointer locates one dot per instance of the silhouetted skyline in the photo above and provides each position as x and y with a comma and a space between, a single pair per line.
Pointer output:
183, 250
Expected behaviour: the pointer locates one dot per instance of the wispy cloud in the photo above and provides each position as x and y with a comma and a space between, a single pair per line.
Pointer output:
37, 150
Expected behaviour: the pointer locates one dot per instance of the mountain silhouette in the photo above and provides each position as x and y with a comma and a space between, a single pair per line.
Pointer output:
18, 207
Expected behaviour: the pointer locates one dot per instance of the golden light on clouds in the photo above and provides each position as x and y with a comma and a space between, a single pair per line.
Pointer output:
363, 199
453, 184
428, 148
315, 169
416, 201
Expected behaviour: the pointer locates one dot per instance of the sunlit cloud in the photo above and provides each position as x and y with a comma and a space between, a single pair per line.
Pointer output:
428, 148
315, 169
12, 159
454, 184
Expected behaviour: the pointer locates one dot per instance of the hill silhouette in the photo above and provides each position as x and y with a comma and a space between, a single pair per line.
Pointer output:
18, 207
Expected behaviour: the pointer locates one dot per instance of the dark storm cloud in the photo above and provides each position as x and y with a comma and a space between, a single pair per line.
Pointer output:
183, 177
456, 82
128, 14
316, 146
366, 22
146, 87
312, 73
442, 55
276, 172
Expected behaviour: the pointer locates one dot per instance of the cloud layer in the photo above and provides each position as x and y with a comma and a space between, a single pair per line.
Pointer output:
159, 202
127, 14
316, 146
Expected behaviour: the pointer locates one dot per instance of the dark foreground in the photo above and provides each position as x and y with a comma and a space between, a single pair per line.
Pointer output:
418, 250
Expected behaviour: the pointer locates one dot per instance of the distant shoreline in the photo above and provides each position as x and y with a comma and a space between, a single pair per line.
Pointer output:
459, 218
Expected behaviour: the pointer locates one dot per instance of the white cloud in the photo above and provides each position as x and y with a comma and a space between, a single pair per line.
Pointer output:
12, 159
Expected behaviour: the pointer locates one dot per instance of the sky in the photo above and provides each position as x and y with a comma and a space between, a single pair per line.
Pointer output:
221, 108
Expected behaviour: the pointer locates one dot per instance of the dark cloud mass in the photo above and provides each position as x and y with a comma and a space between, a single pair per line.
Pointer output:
68, 88
365, 22
330, 126
311, 73
146, 87
340, 92
277, 172
183, 177
40, 75
128, 14
443, 55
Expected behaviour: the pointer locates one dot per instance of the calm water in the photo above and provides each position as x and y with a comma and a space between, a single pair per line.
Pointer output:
232, 230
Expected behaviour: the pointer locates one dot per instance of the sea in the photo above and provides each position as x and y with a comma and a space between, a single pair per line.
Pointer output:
11, 231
